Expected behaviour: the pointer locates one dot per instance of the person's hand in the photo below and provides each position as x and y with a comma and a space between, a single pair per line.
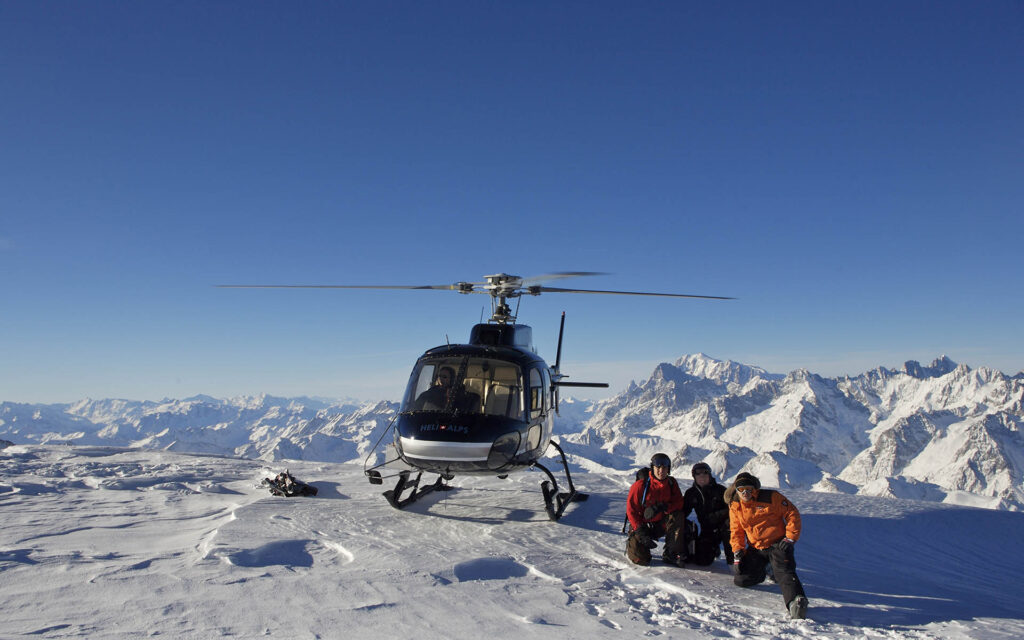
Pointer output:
786, 544
643, 537
653, 510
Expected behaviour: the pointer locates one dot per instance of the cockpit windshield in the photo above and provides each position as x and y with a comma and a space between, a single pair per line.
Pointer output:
465, 384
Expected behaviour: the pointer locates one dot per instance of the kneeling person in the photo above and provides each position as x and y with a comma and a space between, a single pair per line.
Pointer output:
655, 509
706, 498
765, 526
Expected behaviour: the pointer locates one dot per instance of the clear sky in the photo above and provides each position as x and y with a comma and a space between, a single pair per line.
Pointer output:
852, 172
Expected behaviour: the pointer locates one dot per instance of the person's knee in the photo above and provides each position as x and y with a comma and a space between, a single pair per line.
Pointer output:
637, 557
702, 558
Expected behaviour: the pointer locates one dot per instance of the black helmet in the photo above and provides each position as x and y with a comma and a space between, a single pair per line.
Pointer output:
661, 460
699, 467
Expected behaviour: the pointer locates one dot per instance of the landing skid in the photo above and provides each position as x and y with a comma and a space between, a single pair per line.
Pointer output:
394, 496
555, 502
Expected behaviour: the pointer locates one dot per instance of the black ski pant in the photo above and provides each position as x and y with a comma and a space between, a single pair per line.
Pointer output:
725, 535
671, 526
707, 546
752, 569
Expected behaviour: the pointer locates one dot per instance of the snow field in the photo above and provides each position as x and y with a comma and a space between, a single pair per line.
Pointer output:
110, 543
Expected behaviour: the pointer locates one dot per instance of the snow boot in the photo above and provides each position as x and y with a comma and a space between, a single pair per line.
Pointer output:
798, 608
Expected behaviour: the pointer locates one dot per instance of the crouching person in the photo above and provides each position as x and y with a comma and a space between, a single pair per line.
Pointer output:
655, 509
765, 526
706, 498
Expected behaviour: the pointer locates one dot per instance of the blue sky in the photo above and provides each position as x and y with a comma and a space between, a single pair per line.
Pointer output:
850, 172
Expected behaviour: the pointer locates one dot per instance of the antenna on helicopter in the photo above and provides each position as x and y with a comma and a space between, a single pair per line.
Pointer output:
556, 371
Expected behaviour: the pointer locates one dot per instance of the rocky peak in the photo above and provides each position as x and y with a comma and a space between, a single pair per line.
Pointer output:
725, 372
939, 367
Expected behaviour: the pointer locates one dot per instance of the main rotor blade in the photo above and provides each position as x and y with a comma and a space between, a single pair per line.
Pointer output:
632, 293
532, 280
442, 287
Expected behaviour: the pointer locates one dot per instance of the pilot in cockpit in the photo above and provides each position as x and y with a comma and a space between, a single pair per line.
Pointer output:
446, 395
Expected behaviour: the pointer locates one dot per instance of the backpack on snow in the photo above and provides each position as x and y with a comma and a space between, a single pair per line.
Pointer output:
285, 484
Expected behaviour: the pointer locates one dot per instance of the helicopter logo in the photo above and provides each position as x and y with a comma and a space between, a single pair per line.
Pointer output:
482, 408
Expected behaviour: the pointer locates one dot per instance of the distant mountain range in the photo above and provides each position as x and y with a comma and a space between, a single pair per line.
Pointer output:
943, 432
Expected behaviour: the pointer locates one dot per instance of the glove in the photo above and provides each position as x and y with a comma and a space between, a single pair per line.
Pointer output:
786, 544
643, 537
653, 510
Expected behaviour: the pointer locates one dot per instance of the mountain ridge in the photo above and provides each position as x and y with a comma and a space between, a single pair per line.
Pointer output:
941, 432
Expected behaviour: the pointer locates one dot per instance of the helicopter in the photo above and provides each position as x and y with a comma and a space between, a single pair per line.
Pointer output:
482, 408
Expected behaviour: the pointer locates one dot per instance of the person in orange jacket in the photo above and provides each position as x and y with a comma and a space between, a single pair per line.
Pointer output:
655, 509
764, 528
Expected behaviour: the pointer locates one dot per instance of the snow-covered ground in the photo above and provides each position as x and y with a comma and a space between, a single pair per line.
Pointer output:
105, 542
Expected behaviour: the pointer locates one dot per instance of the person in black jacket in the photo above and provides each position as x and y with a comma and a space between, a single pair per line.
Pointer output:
706, 498
448, 394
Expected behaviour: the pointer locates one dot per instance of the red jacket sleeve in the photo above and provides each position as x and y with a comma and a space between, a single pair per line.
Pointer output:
634, 506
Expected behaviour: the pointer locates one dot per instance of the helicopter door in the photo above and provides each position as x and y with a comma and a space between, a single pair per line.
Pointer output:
546, 389
540, 409
537, 389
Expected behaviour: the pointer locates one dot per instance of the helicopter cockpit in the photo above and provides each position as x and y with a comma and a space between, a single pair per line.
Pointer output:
466, 385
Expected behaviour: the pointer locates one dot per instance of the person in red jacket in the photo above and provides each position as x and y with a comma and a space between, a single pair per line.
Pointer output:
655, 509
764, 527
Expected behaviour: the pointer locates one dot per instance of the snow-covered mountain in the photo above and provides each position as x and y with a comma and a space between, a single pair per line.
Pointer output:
942, 432
263, 427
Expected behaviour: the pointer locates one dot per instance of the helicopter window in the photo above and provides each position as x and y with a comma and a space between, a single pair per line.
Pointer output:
533, 437
422, 380
465, 385
536, 394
